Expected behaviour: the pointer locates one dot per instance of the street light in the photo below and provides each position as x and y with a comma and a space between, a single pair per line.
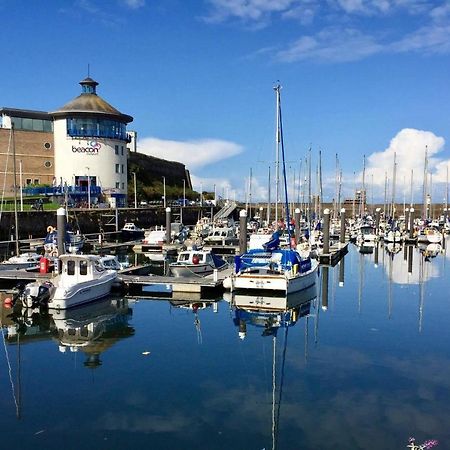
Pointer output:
164, 191
135, 194
89, 188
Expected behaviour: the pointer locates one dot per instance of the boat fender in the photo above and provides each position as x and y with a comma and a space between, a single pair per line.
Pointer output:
50, 229
7, 303
195, 260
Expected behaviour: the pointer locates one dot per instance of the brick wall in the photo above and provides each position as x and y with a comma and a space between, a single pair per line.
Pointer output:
31, 150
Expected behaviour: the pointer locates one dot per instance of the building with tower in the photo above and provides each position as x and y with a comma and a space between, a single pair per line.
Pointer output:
81, 148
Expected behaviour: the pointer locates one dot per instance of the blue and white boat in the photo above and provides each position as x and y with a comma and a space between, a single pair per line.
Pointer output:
278, 270
274, 269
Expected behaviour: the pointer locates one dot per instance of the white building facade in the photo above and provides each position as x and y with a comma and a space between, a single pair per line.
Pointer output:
90, 140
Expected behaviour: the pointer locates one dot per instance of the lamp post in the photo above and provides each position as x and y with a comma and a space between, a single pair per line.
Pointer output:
135, 193
164, 191
89, 187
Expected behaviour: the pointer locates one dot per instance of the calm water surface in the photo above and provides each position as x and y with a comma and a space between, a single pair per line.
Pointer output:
365, 364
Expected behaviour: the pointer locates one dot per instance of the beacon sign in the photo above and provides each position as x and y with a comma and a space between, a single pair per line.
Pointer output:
92, 148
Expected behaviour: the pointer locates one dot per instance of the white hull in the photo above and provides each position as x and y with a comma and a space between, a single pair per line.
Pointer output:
191, 270
17, 266
69, 296
264, 281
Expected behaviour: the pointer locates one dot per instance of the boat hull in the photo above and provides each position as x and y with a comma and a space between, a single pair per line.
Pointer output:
81, 293
273, 282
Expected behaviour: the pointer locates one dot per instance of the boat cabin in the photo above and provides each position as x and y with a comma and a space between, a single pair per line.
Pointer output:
79, 268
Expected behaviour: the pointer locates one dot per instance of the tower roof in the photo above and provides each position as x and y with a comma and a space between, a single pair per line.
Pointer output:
89, 103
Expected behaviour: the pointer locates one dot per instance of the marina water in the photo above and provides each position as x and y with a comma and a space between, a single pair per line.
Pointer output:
364, 365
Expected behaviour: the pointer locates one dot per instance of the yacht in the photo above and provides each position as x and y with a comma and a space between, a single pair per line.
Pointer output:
278, 270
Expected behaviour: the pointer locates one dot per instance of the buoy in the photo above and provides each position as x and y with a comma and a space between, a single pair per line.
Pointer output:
195, 259
7, 303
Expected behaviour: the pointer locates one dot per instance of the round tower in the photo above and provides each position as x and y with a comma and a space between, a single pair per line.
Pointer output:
91, 146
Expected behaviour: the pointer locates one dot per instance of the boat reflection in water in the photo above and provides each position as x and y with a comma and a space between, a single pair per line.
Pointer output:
93, 329
195, 307
270, 312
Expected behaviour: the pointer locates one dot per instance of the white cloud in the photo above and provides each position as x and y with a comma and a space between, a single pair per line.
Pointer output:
248, 10
133, 4
409, 147
194, 153
331, 45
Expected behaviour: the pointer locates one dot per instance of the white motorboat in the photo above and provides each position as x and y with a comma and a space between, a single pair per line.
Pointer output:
82, 279
22, 261
221, 236
366, 234
192, 263
131, 232
111, 262
430, 235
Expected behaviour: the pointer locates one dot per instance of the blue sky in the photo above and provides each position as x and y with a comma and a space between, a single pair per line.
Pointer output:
359, 77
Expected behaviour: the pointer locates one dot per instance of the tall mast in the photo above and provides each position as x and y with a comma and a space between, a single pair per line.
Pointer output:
309, 186
446, 195
394, 176
411, 187
16, 219
277, 151
424, 192
268, 199
363, 190
320, 181
385, 193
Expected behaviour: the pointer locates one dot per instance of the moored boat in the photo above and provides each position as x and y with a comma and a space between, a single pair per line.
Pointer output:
82, 279
191, 263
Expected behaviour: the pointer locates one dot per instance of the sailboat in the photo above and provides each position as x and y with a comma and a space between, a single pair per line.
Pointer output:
273, 268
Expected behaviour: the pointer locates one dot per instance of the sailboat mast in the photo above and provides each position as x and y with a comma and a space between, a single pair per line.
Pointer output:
363, 190
268, 199
16, 219
411, 187
309, 186
280, 121
320, 182
277, 151
394, 176
424, 192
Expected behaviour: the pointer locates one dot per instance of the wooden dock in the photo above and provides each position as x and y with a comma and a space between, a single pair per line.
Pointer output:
175, 287
337, 252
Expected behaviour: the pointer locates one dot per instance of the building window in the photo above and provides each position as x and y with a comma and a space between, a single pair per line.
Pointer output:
117, 168
48, 164
116, 148
23, 123
36, 181
123, 185
28, 182
47, 146
122, 168
90, 127
121, 149
117, 185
